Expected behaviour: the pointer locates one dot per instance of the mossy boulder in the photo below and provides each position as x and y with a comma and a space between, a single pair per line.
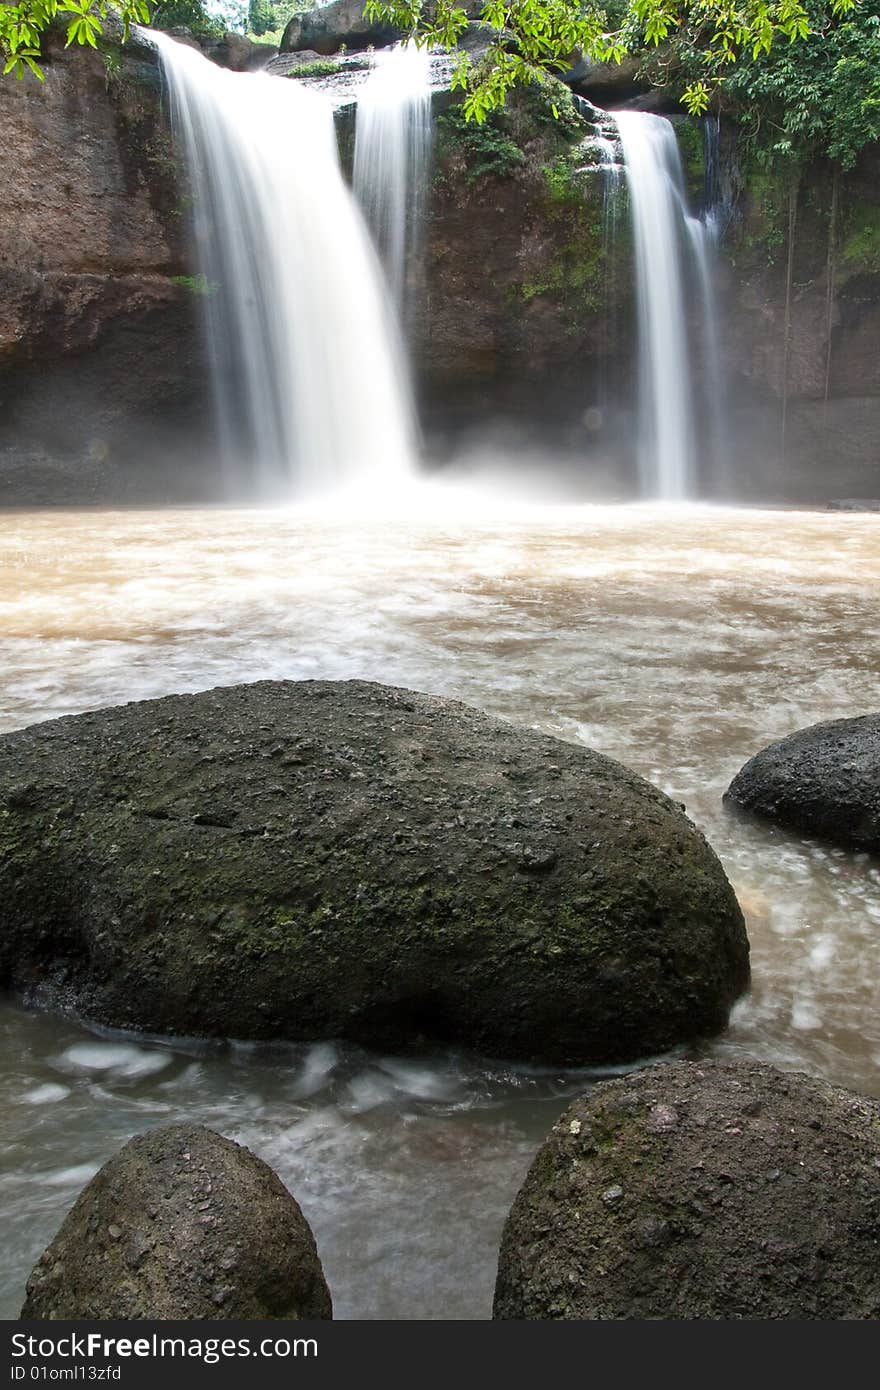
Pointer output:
181, 1223
341, 859
710, 1191
822, 781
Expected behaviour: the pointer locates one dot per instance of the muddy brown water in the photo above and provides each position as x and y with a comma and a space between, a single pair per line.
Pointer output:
677, 640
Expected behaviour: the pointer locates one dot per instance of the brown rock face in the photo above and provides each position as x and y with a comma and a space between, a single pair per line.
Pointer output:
526, 310
99, 341
181, 1223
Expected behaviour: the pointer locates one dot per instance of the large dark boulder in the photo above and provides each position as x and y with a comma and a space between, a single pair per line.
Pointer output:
181, 1223
822, 781
322, 859
330, 27
326, 29
700, 1191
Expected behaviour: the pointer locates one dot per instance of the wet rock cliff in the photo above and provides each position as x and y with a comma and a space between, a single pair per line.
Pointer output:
101, 369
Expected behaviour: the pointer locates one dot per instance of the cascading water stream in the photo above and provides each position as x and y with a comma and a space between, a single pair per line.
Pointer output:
702, 233
604, 144
309, 372
656, 192
392, 143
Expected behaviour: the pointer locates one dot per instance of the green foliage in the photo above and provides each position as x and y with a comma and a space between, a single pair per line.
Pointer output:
112, 65
689, 135
326, 67
487, 147
817, 97
533, 38
268, 19
321, 67
262, 17
861, 249
563, 186
198, 285
765, 231
22, 27
186, 14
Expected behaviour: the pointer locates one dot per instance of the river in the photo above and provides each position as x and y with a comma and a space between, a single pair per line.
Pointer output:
679, 640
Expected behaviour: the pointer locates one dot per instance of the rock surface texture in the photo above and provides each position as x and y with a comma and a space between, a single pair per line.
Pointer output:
181, 1223
822, 781
700, 1191
322, 859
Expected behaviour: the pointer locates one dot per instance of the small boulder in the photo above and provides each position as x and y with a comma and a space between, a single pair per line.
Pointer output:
181, 1224
700, 1191
822, 781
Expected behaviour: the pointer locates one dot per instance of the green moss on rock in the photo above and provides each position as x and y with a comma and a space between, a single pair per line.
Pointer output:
860, 251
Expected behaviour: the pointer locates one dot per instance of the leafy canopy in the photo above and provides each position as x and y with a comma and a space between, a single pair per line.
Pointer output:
816, 98
23, 25
531, 38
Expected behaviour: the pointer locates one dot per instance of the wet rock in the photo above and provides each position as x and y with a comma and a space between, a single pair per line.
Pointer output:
181, 1223
733, 1212
822, 781
335, 860
102, 372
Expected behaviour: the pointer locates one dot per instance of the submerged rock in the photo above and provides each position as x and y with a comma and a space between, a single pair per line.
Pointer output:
181, 1223
700, 1191
822, 781
340, 859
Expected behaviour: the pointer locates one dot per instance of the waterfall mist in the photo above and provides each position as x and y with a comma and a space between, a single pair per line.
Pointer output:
309, 373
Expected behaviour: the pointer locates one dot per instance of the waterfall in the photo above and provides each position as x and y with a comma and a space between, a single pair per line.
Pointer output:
656, 194
392, 143
608, 150
702, 235
308, 369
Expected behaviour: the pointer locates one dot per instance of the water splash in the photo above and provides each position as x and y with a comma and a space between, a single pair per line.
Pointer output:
392, 144
309, 373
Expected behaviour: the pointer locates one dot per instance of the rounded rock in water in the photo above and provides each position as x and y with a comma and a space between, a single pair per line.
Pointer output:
181, 1223
823, 781
700, 1190
310, 860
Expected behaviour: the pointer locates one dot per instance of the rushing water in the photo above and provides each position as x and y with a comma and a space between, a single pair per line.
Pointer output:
677, 640
663, 232
310, 381
392, 143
